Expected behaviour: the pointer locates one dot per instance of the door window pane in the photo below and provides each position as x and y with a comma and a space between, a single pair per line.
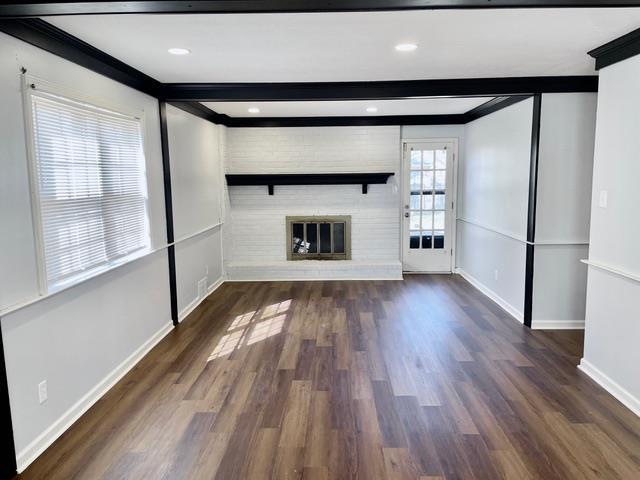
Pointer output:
416, 164
414, 239
427, 159
427, 180
441, 177
415, 201
427, 219
441, 159
414, 221
438, 239
416, 178
427, 202
426, 239
438, 220
438, 204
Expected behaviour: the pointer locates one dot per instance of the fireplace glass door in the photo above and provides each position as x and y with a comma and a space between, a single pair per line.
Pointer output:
319, 238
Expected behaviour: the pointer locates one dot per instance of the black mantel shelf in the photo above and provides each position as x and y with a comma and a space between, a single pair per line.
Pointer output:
268, 179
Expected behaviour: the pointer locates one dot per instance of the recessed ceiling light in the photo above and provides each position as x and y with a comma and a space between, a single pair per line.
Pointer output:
406, 47
372, 109
179, 51
253, 110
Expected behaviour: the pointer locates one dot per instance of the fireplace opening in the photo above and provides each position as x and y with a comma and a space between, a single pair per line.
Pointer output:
319, 238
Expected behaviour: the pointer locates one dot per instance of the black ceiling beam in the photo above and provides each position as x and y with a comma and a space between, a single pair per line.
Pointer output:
45, 8
376, 90
203, 112
493, 105
617, 50
347, 121
54, 40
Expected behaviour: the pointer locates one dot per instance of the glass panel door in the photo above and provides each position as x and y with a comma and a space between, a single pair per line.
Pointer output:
428, 208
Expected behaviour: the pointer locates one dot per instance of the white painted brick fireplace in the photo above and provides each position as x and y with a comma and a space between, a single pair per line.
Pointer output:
258, 230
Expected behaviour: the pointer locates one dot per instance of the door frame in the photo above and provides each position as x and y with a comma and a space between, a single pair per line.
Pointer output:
454, 211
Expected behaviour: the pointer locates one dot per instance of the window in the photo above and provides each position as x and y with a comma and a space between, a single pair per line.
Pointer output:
90, 195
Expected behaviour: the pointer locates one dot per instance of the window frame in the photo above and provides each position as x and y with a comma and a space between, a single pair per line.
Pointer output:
31, 86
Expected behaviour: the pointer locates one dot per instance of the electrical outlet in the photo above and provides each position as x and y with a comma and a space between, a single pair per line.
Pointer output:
202, 287
42, 391
495, 275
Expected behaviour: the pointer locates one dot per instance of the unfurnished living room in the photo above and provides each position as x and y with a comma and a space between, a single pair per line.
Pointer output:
320, 240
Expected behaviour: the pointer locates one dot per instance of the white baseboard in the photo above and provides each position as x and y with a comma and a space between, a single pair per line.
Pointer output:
628, 400
557, 324
46, 438
510, 309
197, 301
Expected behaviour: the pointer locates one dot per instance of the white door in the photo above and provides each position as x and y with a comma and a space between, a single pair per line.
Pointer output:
428, 206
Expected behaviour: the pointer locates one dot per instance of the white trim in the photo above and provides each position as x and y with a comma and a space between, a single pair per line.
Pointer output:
557, 324
624, 396
506, 306
512, 236
615, 270
46, 438
197, 301
18, 306
545, 243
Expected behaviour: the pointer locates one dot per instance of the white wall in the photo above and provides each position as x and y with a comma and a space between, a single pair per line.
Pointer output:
258, 220
612, 330
493, 185
81, 339
196, 184
565, 167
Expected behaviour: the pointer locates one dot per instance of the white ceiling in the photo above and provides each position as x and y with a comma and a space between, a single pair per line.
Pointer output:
415, 106
305, 47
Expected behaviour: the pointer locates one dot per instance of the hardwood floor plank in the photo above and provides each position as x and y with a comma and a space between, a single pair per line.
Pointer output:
423, 378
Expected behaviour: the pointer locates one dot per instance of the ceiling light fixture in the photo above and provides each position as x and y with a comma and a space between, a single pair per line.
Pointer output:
179, 51
253, 110
372, 109
406, 47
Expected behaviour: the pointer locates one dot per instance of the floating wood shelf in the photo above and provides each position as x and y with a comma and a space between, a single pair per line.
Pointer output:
270, 180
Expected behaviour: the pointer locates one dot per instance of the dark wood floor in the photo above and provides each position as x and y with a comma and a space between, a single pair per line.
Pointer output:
417, 379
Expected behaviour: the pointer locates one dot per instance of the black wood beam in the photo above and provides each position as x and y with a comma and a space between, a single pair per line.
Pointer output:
168, 209
54, 40
531, 213
493, 105
352, 121
480, 87
200, 110
8, 468
617, 50
45, 8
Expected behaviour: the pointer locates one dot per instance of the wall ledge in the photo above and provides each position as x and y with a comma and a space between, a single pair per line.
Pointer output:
615, 389
303, 270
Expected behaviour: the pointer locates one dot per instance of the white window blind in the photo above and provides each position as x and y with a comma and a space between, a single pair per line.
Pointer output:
91, 187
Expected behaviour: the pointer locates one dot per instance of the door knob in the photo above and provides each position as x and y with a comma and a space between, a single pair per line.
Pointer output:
406, 214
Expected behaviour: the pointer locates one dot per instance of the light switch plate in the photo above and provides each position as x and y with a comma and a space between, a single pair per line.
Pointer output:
604, 198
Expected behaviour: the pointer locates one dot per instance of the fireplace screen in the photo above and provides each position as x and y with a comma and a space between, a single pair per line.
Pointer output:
319, 238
